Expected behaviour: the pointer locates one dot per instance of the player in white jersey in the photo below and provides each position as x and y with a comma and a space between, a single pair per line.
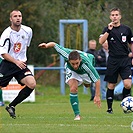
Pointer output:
13, 46
79, 69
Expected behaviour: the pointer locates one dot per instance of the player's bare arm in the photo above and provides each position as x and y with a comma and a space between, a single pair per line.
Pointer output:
97, 94
20, 64
47, 45
104, 37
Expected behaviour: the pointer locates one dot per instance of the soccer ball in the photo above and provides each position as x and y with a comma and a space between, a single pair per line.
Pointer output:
127, 104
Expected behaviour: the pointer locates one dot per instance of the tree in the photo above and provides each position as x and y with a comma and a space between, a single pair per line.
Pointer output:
43, 17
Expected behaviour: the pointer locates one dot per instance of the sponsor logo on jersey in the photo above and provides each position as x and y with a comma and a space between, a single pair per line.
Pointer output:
22, 37
112, 39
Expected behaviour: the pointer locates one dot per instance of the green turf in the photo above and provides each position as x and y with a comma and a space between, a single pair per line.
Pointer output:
52, 113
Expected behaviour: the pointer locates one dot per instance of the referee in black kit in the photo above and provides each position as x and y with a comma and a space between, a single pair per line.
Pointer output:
119, 37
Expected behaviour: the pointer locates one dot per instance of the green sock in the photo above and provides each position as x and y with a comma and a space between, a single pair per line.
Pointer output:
1, 98
74, 103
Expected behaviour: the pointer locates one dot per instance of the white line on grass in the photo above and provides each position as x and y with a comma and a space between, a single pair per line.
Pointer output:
68, 125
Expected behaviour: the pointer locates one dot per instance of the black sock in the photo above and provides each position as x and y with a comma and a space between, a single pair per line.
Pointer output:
23, 94
126, 92
110, 97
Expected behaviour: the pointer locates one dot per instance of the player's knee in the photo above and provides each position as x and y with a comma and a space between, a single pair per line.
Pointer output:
32, 85
111, 86
73, 89
127, 83
127, 86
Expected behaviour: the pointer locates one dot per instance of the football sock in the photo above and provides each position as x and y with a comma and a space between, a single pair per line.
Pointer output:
23, 94
1, 98
110, 97
126, 92
74, 103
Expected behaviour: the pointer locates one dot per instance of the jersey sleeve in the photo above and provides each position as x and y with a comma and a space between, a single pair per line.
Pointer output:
91, 71
64, 52
104, 30
4, 42
130, 37
92, 59
29, 36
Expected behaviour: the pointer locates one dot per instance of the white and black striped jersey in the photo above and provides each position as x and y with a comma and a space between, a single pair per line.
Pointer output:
16, 43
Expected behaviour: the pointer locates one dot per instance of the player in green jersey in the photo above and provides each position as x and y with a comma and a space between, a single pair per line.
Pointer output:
79, 70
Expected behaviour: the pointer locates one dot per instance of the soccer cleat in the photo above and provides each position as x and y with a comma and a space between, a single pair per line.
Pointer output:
11, 111
77, 118
110, 111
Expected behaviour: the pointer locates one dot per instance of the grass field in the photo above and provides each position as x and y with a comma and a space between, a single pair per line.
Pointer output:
52, 113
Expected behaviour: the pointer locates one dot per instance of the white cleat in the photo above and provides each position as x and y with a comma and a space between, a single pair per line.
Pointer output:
77, 118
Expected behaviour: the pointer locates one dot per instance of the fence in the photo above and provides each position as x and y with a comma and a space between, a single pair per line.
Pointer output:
62, 83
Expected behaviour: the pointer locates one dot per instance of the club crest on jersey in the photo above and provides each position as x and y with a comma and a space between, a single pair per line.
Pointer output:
124, 38
17, 47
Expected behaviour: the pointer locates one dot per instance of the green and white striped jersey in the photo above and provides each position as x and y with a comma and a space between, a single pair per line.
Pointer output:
86, 65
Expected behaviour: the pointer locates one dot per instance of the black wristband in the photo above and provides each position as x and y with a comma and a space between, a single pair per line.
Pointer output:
108, 30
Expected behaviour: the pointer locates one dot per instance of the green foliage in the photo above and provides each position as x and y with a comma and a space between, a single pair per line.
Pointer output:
43, 17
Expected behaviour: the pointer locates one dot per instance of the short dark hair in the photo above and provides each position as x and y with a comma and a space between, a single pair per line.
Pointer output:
74, 55
13, 11
115, 9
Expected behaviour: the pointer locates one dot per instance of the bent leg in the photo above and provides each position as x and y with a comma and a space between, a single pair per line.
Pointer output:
30, 83
73, 84
110, 97
127, 87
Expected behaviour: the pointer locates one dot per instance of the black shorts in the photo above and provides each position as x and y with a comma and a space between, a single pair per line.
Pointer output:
118, 66
9, 70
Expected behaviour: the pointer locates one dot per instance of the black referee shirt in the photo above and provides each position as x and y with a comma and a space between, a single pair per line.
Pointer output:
118, 40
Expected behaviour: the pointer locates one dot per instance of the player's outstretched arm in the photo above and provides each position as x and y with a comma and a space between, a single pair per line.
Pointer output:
47, 45
97, 94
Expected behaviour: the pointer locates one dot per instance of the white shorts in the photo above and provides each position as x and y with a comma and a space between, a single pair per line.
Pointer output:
81, 78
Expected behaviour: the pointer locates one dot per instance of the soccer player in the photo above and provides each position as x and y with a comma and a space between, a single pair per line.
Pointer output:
79, 69
119, 36
14, 42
